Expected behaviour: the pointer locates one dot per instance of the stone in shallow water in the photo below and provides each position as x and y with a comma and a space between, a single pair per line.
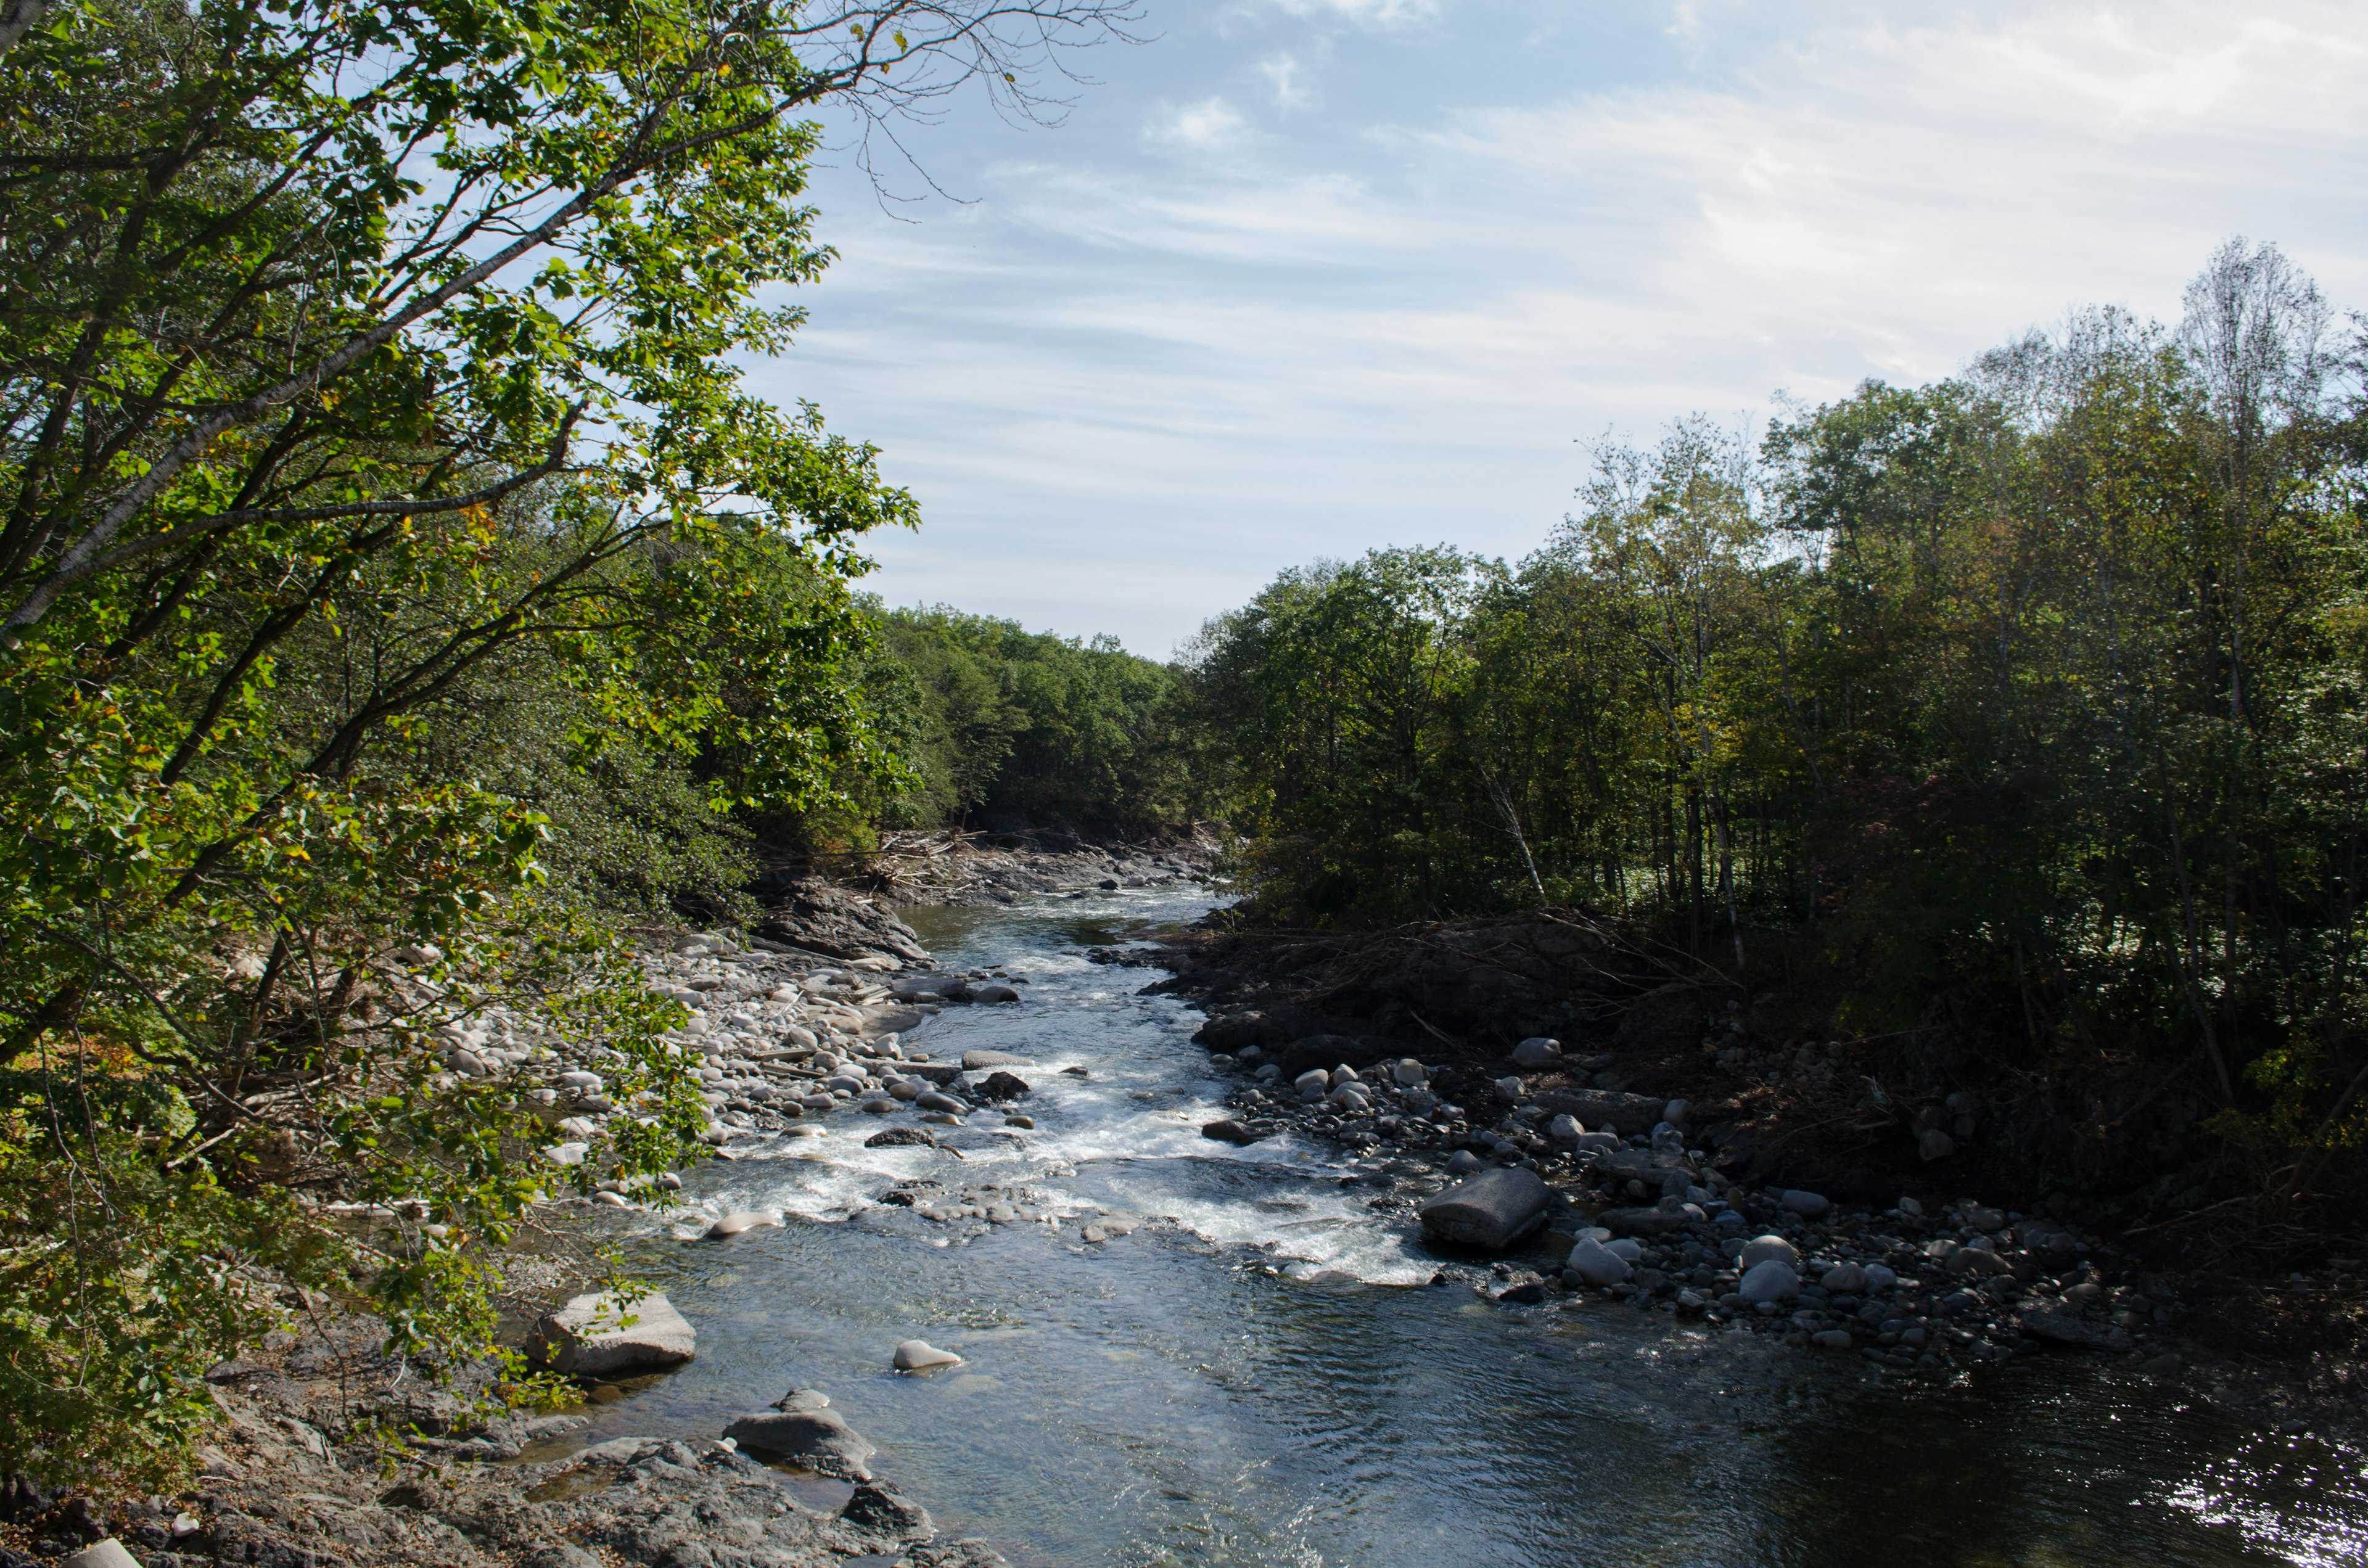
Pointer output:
740, 1224
820, 1439
920, 1355
1491, 1210
588, 1337
1228, 1132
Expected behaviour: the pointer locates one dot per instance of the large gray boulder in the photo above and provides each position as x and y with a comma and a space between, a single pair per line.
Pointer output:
1769, 1281
590, 1336
819, 1439
1491, 1210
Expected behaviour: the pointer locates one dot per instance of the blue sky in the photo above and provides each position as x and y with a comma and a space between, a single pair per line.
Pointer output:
1299, 278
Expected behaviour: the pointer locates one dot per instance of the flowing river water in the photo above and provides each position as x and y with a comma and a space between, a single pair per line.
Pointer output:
1260, 1375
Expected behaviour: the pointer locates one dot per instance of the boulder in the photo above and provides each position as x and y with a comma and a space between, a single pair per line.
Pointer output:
1880, 1278
802, 1399
1229, 1131
1808, 1205
588, 1336
980, 1060
1564, 1128
1537, 1052
819, 1439
1769, 1281
1934, 1145
994, 993
1596, 1263
896, 1137
1313, 1084
740, 1224
1003, 1086
932, 1099
1759, 1249
1844, 1279
920, 1355
1409, 1071
1490, 1211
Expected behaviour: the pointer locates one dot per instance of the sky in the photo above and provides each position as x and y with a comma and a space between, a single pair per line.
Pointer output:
1297, 279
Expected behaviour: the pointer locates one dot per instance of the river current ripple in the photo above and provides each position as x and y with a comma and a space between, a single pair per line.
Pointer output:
1258, 1377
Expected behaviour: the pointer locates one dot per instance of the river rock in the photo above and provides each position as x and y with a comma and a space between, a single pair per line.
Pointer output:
1409, 1071
740, 1223
1229, 1131
1463, 1162
1831, 1339
1313, 1083
1564, 1128
934, 1099
980, 1060
1003, 1086
820, 1439
1934, 1145
588, 1337
1490, 1211
1536, 1052
1976, 1262
1880, 1278
1595, 1109
1844, 1279
802, 1399
1808, 1205
107, 1553
1595, 1264
896, 1137
1654, 1222
920, 1355
1769, 1281
993, 993
2062, 1328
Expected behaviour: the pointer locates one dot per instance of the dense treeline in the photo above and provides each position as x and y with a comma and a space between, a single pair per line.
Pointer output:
2047, 685
995, 727
397, 581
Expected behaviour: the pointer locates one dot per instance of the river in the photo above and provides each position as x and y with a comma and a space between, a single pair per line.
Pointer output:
1264, 1378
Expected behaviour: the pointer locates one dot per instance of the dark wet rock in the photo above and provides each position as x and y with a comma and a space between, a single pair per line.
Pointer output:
1229, 1131
1490, 1211
994, 993
1642, 1221
2064, 1328
878, 1508
1002, 1086
900, 1136
819, 1439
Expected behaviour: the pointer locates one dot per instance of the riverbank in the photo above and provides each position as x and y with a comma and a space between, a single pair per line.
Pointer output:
1702, 1133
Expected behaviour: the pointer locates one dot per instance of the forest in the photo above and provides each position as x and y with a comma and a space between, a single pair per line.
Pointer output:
2034, 695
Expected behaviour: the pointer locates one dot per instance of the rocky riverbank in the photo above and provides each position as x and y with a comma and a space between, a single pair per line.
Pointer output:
955, 870
1548, 1086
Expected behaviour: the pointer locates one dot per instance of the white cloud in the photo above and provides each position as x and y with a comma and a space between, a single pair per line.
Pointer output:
1282, 72
1210, 123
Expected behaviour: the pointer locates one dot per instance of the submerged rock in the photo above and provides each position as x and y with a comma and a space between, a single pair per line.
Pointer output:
740, 1223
